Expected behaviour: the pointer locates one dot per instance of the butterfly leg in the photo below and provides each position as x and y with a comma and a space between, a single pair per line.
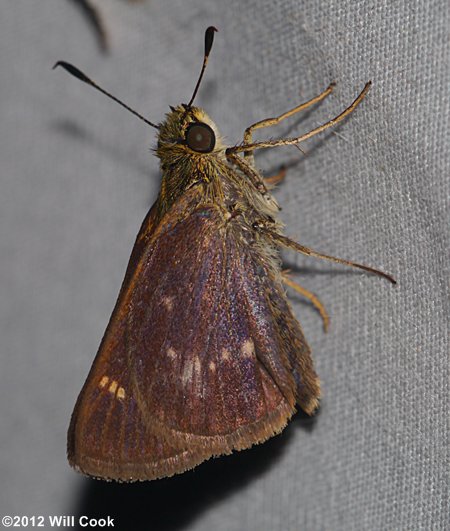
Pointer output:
310, 296
276, 178
255, 177
291, 244
274, 121
248, 148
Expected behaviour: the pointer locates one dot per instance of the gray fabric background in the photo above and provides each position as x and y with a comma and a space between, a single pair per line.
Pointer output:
77, 178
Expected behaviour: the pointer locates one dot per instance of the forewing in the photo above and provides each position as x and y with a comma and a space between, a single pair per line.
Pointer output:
209, 364
107, 437
195, 360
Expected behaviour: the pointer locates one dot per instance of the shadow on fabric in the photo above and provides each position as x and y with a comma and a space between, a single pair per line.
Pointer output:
172, 504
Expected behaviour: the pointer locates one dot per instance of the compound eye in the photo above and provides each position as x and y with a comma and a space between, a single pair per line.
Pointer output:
200, 137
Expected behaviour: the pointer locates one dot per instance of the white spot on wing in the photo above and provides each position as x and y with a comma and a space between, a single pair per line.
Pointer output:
186, 375
226, 356
171, 353
113, 387
248, 348
192, 373
197, 365
168, 303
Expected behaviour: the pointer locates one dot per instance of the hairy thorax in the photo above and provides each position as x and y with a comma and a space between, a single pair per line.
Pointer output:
220, 181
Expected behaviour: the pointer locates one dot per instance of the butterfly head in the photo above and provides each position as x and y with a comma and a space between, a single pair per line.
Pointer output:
188, 131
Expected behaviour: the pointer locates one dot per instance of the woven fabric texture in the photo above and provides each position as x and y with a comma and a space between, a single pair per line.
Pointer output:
78, 177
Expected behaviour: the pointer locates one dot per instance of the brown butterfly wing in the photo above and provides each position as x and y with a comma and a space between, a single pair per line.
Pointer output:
207, 358
195, 361
298, 351
107, 437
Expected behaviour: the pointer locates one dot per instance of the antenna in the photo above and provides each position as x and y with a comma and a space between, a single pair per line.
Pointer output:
83, 77
209, 39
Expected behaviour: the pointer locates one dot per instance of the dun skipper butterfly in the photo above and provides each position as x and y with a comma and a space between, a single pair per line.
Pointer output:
202, 355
